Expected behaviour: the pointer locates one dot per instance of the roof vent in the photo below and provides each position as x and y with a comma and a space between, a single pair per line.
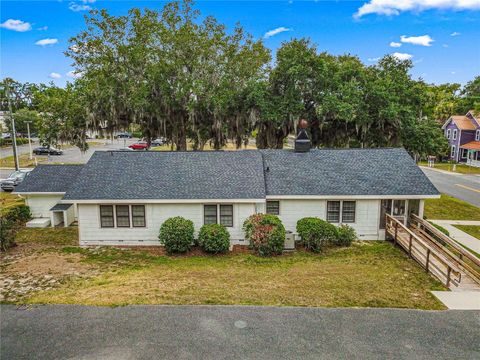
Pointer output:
302, 142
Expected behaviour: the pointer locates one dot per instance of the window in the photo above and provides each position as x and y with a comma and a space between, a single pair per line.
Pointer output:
138, 215
448, 133
477, 135
106, 216
464, 153
452, 151
348, 211
333, 211
123, 215
226, 215
210, 214
273, 207
454, 136
398, 207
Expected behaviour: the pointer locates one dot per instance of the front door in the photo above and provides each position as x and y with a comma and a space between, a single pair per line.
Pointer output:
385, 208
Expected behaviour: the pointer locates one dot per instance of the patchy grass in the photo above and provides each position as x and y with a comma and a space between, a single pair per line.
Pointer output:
24, 161
450, 208
459, 168
8, 200
473, 230
48, 236
368, 274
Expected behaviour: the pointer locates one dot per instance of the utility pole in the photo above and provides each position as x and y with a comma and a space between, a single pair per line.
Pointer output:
14, 131
29, 139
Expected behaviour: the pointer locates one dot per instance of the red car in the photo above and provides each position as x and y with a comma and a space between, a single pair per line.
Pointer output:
141, 145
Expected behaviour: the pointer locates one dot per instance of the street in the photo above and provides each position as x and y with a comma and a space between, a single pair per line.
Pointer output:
236, 332
464, 187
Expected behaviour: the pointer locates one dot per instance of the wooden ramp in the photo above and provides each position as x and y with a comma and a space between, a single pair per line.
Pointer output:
454, 266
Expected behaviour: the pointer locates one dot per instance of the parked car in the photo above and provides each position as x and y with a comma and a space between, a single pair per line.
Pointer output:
124, 135
158, 142
140, 145
47, 150
6, 136
13, 180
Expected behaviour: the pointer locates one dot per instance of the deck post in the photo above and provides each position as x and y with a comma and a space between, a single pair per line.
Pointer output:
395, 236
428, 258
448, 276
410, 245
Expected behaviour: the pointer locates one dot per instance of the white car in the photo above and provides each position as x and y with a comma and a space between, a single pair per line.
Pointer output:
14, 179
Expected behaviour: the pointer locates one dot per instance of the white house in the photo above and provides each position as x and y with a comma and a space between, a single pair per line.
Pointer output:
122, 198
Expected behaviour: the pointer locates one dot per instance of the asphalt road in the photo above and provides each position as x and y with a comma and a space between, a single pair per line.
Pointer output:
235, 332
463, 187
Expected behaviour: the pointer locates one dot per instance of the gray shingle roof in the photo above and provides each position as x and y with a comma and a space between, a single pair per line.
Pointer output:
171, 175
61, 207
383, 171
49, 178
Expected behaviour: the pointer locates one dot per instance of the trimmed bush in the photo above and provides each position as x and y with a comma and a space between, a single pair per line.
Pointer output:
214, 238
10, 220
345, 235
316, 233
265, 233
176, 234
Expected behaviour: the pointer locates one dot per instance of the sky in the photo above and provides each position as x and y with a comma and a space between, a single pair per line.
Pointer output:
441, 37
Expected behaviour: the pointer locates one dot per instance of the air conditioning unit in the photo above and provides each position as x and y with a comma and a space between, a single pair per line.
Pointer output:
289, 241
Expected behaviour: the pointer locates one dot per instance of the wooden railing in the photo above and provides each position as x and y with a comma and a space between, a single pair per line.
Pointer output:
430, 258
467, 261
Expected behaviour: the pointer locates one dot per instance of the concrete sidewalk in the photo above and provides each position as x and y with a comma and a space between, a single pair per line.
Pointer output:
460, 236
459, 300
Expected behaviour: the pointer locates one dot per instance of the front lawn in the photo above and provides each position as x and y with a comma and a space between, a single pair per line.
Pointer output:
450, 208
24, 161
459, 168
473, 230
368, 274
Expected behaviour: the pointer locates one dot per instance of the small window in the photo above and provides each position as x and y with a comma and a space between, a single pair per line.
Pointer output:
452, 152
477, 135
106, 216
348, 211
273, 207
123, 215
454, 136
464, 153
333, 211
138, 215
210, 214
448, 133
226, 215
398, 207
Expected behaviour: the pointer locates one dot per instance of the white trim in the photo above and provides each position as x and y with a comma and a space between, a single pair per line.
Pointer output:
454, 134
162, 201
448, 133
447, 122
350, 197
453, 150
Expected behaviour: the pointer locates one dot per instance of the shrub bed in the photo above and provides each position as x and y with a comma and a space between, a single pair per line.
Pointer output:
345, 235
11, 219
176, 234
8, 142
265, 233
316, 233
214, 238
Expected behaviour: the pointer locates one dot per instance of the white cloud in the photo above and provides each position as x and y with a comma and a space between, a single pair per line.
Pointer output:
455, 33
395, 44
43, 28
424, 40
81, 6
402, 56
74, 75
453, 73
445, 45
54, 75
276, 31
395, 7
373, 59
45, 42
16, 25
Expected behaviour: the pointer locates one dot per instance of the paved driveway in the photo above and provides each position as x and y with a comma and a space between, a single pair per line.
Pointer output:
463, 187
234, 332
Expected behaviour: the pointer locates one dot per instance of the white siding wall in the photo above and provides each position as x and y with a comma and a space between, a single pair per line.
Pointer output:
40, 205
155, 214
366, 222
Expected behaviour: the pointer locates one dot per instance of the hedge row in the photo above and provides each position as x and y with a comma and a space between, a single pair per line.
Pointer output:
317, 233
11, 219
8, 142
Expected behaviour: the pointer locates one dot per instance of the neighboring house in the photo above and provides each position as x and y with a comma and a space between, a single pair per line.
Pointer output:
463, 135
122, 198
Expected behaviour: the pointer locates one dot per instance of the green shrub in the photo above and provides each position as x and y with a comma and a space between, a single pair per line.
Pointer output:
441, 228
10, 220
8, 142
316, 233
214, 238
345, 235
176, 234
265, 233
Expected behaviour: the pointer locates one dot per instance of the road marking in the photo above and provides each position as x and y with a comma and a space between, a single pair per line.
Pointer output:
468, 188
